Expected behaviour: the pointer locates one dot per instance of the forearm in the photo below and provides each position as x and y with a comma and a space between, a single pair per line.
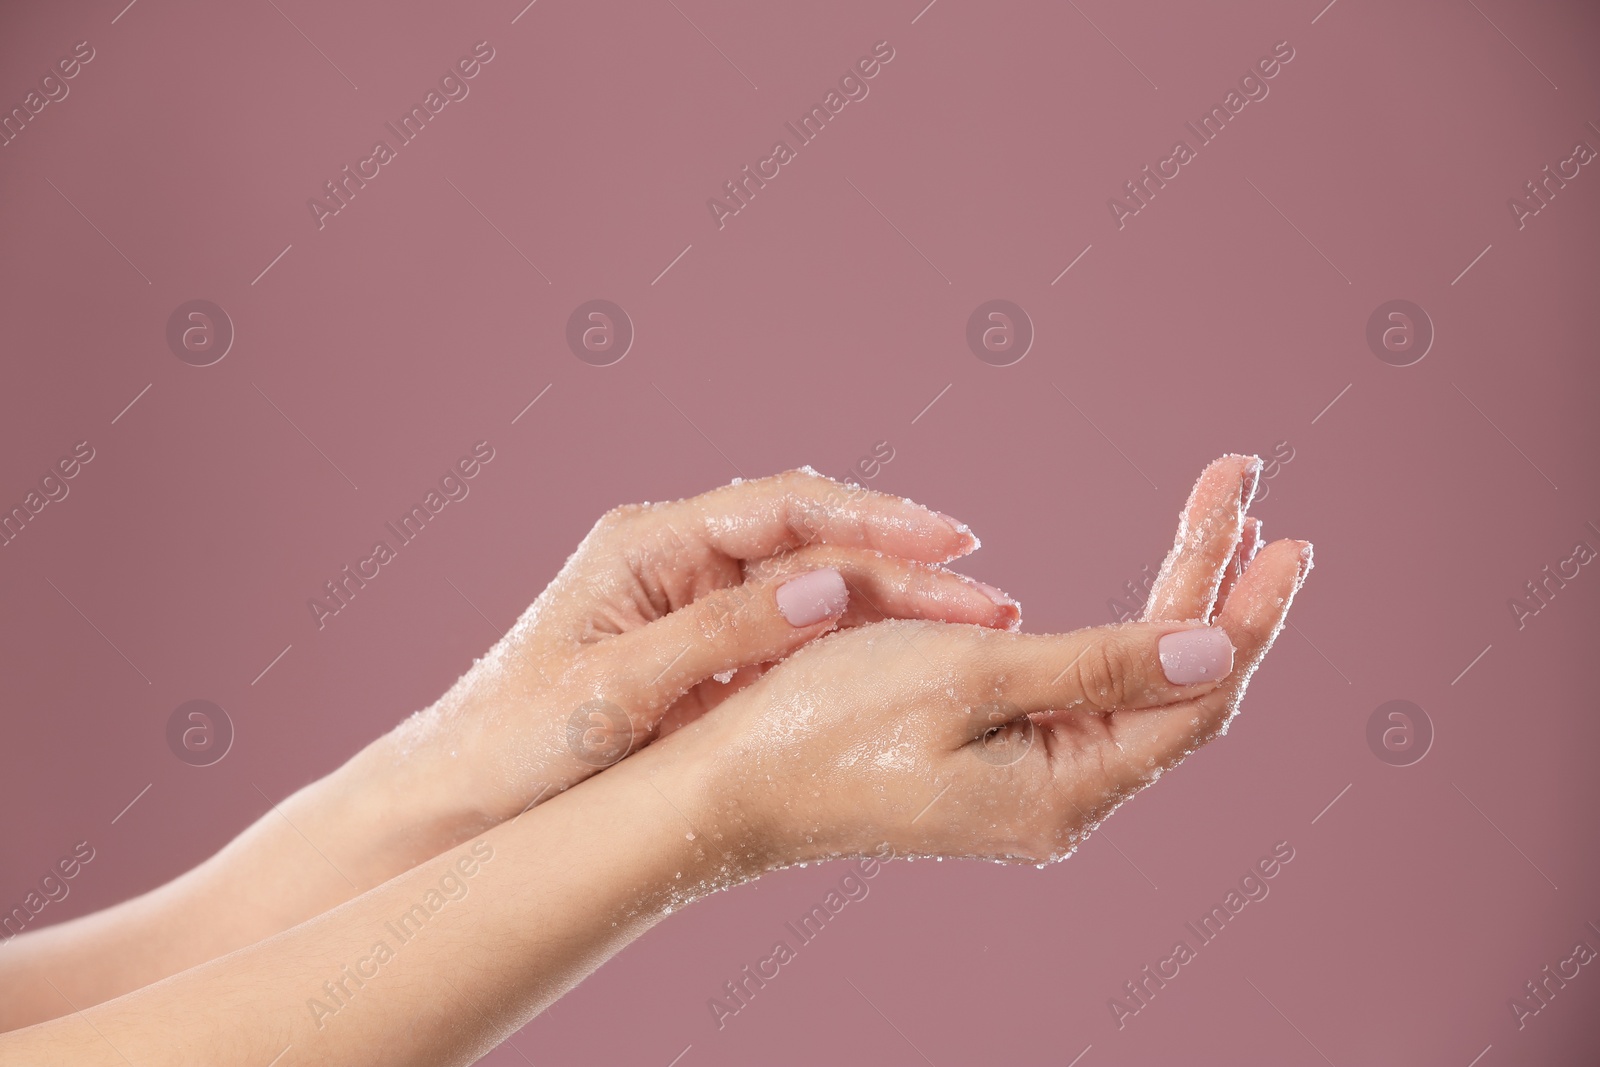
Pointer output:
328, 842
456, 954
657, 602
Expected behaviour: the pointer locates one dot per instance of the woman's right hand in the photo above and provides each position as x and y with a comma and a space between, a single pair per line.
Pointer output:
952, 740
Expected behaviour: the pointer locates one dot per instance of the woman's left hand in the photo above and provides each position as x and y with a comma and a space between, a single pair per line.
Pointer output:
662, 612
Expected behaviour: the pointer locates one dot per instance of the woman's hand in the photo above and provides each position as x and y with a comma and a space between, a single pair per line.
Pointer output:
664, 611
625, 643
933, 737
957, 741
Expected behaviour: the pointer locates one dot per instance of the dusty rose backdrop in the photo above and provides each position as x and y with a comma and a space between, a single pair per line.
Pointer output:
1238, 299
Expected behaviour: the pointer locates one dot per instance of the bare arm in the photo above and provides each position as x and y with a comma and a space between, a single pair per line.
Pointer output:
335, 838
655, 602
1036, 739
434, 967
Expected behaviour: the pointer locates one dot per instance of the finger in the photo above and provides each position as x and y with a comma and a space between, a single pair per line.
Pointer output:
1208, 532
765, 516
765, 619
1253, 616
1101, 669
885, 587
1249, 545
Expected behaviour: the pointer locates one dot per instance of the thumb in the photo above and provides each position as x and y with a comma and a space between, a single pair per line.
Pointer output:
774, 612
738, 626
1106, 669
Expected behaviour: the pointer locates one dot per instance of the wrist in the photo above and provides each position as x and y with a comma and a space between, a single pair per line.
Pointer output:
391, 809
705, 782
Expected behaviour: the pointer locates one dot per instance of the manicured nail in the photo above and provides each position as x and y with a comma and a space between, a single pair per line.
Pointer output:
961, 528
812, 597
1306, 564
1199, 655
1010, 610
1248, 483
1251, 542
994, 594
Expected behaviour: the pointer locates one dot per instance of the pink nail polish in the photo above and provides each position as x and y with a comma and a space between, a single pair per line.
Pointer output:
1306, 564
812, 597
961, 528
1253, 536
994, 594
1199, 655
1250, 482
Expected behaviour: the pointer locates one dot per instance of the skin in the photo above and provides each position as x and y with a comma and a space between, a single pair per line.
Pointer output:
1023, 743
654, 602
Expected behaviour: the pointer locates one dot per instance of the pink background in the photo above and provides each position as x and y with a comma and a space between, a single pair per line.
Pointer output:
1226, 316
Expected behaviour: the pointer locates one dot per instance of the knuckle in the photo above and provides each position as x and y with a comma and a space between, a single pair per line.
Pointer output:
804, 515
800, 478
768, 569
806, 558
895, 593
1102, 676
783, 485
615, 519
726, 611
922, 584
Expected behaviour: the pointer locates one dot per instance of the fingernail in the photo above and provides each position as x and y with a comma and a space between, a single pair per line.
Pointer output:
812, 597
961, 528
994, 594
1250, 543
1199, 655
1306, 563
1251, 479
1010, 609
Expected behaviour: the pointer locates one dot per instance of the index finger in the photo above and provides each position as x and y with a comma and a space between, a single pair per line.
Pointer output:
1208, 534
765, 516
1258, 607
